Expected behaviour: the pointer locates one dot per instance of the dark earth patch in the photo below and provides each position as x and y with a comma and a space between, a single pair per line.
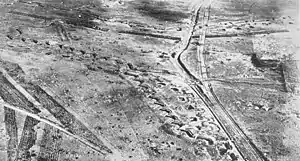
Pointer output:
159, 10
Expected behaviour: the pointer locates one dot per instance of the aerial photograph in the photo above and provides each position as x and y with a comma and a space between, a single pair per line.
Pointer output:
149, 80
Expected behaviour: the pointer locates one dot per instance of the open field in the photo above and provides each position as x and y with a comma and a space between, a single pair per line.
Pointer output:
149, 80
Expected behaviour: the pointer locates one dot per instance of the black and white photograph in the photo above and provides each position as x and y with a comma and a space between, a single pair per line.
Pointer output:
149, 80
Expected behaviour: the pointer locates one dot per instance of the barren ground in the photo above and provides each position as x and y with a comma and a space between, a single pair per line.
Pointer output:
149, 80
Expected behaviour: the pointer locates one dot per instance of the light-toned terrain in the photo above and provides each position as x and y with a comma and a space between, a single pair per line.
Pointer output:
149, 80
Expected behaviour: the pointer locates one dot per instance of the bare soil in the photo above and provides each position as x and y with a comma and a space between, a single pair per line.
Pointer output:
100, 80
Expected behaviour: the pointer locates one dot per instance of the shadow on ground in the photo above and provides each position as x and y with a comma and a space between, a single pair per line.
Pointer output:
159, 10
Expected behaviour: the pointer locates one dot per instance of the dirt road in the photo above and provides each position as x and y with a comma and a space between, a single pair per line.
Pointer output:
149, 80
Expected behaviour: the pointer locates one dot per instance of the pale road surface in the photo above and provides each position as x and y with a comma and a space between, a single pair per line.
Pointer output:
149, 80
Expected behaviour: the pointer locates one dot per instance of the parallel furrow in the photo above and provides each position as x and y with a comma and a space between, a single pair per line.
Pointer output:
15, 97
28, 138
70, 122
50, 144
12, 133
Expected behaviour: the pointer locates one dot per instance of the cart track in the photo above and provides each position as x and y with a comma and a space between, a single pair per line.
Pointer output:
244, 145
32, 104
